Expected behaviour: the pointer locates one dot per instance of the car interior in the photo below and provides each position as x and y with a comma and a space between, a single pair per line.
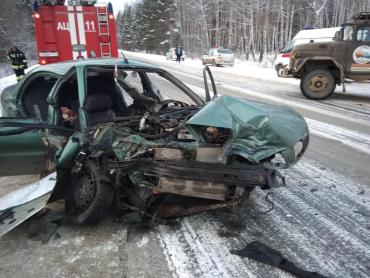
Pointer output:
35, 95
104, 99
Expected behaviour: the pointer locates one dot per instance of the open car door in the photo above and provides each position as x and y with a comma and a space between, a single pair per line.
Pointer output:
22, 152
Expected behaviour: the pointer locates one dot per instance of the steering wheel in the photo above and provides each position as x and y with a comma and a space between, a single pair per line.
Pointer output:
166, 104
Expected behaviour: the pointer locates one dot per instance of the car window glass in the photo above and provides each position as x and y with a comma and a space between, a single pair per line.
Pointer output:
347, 33
289, 47
132, 79
363, 34
168, 90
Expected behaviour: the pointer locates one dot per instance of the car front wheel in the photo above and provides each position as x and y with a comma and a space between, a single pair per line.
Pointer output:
89, 198
317, 84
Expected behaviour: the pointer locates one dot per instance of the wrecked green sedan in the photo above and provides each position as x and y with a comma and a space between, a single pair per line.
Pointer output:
127, 136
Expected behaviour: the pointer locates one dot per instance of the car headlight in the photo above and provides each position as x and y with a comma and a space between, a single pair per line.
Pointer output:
298, 147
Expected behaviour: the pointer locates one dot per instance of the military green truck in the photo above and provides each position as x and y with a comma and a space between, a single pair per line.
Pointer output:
322, 66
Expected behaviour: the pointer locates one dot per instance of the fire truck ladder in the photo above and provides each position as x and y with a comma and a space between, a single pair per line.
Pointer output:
104, 35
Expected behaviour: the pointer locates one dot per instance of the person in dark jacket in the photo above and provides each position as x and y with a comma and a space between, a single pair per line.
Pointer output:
18, 61
178, 52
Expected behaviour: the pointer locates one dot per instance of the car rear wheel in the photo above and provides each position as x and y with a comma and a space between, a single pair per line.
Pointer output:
214, 63
279, 70
89, 198
318, 84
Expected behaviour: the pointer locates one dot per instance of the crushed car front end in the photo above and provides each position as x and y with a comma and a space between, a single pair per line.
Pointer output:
184, 160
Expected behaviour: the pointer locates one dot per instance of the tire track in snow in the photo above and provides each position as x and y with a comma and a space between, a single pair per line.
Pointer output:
353, 139
318, 230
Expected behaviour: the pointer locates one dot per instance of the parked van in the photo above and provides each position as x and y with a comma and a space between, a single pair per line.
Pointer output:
304, 36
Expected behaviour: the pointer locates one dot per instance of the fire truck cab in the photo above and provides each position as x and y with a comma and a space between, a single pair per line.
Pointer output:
77, 31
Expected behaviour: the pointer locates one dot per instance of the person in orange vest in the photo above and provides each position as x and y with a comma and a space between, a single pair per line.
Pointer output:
18, 61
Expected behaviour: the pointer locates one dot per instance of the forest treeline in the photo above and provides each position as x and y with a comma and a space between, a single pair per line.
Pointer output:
253, 29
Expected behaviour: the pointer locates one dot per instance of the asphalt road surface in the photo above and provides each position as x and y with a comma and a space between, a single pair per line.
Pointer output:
320, 220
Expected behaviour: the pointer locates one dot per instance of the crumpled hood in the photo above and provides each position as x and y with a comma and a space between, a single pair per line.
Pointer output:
259, 130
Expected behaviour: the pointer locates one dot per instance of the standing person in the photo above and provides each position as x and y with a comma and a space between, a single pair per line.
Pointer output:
178, 52
18, 61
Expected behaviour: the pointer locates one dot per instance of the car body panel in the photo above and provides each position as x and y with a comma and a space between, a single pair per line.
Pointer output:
23, 152
259, 130
19, 205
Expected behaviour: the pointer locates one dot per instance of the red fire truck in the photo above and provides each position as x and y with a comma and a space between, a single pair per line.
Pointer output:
79, 30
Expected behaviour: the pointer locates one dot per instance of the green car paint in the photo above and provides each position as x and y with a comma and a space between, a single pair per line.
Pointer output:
259, 130
22, 153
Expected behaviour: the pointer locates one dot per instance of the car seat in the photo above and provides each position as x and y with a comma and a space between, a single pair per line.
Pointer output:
99, 109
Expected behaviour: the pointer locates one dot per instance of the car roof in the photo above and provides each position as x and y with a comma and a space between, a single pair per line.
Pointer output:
63, 67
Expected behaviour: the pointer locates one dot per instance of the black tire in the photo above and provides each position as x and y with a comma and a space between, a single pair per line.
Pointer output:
203, 62
317, 84
90, 197
279, 70
214, 63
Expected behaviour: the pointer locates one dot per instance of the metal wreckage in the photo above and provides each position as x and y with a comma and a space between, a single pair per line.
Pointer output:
166, 157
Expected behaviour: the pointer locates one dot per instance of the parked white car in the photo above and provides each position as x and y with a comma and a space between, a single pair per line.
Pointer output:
219, 57
171, 54
304, 36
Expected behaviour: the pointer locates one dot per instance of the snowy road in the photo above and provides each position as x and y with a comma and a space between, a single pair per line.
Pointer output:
321, 220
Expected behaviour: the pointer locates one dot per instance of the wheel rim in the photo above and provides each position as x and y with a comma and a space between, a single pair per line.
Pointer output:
85, 192
318, 83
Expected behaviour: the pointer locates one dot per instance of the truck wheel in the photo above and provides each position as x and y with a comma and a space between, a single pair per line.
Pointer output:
279, 70
89, 198
317, 84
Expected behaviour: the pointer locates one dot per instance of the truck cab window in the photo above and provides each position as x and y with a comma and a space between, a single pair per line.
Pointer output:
347, 33
363, 34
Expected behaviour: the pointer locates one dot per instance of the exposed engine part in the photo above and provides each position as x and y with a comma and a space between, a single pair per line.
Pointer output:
210, 155
216, 135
